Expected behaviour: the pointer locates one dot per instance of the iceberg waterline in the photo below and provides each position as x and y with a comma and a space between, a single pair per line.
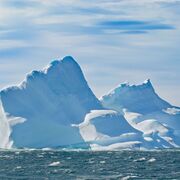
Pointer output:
56, 108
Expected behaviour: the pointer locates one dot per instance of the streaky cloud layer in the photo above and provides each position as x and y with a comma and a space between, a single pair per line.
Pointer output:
133, 40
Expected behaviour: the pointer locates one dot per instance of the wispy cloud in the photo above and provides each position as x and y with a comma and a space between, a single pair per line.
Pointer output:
20, 3
127, 36
135, 25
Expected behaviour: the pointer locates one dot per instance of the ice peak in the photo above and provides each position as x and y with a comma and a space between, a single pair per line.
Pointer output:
147, 82
56, 67
56, 64
69, 59
126, 85
66, 59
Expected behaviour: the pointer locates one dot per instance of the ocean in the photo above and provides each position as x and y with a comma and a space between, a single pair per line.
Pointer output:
63, 164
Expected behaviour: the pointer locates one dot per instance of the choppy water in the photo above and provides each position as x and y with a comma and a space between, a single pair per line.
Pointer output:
49, 164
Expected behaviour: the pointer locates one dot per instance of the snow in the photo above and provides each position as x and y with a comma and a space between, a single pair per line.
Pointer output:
147, 126
106, 129
172, 111
104, 123
15, 120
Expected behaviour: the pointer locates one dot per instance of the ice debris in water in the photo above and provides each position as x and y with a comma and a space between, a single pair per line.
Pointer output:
54, 163
151, 160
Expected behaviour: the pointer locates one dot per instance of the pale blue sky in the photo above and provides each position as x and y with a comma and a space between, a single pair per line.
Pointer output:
113, 41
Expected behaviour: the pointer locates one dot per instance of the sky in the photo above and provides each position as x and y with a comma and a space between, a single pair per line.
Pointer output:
114, 41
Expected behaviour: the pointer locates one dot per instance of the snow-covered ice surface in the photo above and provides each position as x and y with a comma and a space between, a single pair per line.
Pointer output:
55, 107
107, 129
147, 112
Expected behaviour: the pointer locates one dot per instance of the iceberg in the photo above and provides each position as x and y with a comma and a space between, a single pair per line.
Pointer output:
147, 112
55, 108
49, 108
47, 103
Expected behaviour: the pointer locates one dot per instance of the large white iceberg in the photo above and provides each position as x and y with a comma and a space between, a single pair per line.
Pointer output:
46, 108
55, 107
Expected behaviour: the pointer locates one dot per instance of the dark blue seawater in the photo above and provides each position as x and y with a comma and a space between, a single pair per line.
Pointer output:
57, 164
